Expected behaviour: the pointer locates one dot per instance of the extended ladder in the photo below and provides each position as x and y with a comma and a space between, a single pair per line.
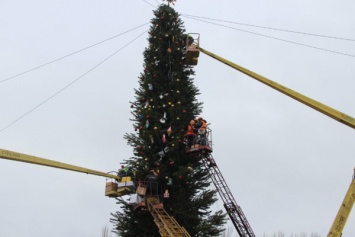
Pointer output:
168, 226
234, 211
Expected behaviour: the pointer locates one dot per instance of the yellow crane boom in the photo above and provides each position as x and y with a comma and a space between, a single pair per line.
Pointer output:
344, 211
335, 114
348, 202
15, 156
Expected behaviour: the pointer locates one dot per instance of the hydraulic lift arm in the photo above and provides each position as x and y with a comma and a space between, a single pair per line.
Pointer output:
344, 211
15, 156
168, 226
335, 114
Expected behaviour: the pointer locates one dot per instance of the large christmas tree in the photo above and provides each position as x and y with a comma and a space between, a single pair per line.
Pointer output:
165, 104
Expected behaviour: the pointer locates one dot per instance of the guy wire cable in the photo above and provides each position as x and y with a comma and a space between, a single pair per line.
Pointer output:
271, 28
71, 83
68, 55
271, 37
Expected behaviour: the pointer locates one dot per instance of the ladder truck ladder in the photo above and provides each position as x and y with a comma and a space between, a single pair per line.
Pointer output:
234, 211
168, 226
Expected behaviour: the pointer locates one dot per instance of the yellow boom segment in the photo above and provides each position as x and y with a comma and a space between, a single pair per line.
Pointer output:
344, 211
15, 156
335, 114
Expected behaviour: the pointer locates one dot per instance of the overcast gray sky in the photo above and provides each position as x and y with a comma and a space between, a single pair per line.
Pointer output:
287, 165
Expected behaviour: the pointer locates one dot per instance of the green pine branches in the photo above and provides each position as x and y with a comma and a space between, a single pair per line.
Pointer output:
165, 102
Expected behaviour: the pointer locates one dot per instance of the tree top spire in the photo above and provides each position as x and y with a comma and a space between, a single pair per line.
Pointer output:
170, 1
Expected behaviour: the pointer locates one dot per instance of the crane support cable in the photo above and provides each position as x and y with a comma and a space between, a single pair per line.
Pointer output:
265, 27
71, 54
15, 156
335, 114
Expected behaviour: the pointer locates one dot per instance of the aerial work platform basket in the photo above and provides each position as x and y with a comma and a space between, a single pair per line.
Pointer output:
201, 143
119, 187
145, 193
192, 48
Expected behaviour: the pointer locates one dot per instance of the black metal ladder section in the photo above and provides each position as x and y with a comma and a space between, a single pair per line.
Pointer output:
233, 209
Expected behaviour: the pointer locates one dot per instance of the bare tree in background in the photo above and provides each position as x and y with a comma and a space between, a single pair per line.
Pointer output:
105, 232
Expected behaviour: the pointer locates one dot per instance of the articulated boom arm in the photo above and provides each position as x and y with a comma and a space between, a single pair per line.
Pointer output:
340, 220
335, 114
233, 210
15, 156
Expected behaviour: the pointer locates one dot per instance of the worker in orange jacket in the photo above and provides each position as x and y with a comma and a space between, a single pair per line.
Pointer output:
190, 133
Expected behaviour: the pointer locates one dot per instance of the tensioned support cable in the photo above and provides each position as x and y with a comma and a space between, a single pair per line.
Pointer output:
271, 28
71, 54
71, 83
275, 38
